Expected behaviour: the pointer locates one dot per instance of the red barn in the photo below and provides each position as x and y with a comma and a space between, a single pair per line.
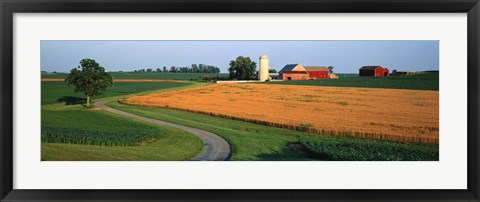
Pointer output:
376, 71
386, 72
317, 72
294, 72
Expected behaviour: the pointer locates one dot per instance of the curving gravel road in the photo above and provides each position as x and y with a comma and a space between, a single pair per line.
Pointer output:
215, 148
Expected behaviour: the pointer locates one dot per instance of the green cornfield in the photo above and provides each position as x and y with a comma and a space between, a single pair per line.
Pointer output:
357, 149
95, 137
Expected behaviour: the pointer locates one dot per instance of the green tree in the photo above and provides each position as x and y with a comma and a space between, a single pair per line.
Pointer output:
89, 78
330, 69
242, 68
272, 71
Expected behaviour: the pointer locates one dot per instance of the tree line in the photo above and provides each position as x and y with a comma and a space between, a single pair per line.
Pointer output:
194, 68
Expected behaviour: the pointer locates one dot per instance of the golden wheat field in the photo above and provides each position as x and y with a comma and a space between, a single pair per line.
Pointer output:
405, 115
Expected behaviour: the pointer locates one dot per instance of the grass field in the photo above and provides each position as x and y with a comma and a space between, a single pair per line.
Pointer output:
148, 75
59, 92
170, 143
257, 142
405, 115
424, 81
79, 125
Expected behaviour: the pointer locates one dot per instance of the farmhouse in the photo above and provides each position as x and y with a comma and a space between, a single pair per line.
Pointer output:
317, 72
294, 72
375, 71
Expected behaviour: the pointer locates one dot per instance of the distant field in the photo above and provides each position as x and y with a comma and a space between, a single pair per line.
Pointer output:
405, 115
425, 81
122, 80
169, 144
254, 142
55, 92
149, 75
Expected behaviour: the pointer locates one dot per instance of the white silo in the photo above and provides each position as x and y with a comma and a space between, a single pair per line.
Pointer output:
263, 70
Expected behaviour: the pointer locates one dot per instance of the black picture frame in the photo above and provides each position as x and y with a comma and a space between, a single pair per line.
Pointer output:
9, 7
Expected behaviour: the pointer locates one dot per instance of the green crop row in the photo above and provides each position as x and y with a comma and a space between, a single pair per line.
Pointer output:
425, 81
94, 137
356, 149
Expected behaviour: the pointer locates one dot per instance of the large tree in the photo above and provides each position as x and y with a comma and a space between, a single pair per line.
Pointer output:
242, 68
89, 78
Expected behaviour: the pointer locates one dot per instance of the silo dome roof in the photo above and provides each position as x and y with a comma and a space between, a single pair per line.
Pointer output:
263, 56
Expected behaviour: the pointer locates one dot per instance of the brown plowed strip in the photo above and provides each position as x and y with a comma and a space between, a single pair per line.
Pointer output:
123, 80
404, 115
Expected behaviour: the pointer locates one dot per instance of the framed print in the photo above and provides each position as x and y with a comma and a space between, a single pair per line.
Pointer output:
239, 101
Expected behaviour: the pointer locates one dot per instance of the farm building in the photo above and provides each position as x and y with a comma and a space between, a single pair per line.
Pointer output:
403, 73
274, 75
376, 71
317, 72
263, 68
294, 72
333, 76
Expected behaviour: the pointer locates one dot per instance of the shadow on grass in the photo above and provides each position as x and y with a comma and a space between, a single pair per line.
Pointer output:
293, 152
70, 100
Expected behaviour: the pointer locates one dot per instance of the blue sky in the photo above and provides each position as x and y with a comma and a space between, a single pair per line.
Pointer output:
345, 56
